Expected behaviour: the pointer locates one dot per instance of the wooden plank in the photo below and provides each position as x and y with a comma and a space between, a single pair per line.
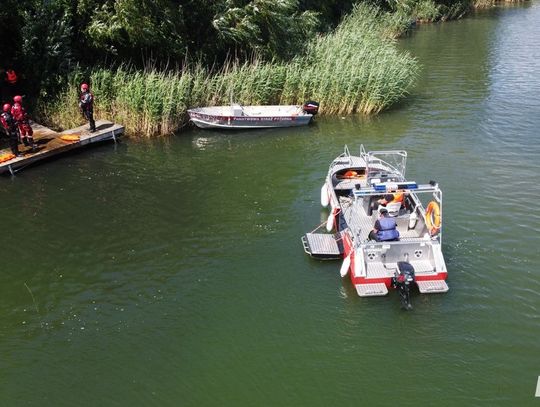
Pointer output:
49, 143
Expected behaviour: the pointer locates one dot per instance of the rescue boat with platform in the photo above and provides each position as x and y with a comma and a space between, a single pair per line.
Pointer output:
353, 188
236, 116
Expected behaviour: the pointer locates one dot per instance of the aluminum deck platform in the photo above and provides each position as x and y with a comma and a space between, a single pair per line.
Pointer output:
49, 143
432, 286
371, 290
321, 246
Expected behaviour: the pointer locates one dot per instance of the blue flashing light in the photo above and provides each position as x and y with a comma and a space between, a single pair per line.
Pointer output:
395, 186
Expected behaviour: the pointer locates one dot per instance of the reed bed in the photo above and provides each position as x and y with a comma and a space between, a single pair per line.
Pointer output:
491, 3
356, 69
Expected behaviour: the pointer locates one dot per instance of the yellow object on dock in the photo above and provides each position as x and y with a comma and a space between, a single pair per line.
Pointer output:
71, 137
6, 157
49, 143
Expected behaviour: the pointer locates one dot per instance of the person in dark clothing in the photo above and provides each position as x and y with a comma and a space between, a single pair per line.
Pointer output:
385, 200
86, 104
10, 126
385, 228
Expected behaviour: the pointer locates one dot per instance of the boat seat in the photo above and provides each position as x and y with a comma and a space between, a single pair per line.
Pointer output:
392, 208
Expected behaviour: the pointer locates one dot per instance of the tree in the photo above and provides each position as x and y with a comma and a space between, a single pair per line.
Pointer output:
271, 28
147, 29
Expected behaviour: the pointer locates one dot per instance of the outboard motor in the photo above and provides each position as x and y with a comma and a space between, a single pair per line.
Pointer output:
403, 282
311, 107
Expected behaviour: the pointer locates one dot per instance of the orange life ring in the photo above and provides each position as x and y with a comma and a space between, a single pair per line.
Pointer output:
433, 217
6, 157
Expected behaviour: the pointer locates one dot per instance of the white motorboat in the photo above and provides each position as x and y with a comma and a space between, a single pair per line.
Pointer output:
236, 116
353, 189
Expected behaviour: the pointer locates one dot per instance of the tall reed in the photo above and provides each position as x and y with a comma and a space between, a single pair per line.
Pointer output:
357, 68
490, 3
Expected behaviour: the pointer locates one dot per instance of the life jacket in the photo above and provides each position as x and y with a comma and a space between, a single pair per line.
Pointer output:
19, 114
387, 230
87, 101
397, 197
11, 76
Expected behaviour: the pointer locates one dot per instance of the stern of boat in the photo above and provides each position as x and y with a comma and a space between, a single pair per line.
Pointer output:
375, 264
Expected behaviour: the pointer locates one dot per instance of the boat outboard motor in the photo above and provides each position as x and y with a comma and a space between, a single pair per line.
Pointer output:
403, 281
311, 107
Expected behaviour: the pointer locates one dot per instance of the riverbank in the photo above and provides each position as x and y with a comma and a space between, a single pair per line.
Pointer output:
429, 11
355, 69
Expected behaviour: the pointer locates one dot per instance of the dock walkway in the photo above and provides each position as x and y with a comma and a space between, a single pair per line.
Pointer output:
50, 143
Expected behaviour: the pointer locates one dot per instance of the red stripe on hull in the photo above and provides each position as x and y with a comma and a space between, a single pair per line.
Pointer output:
388, 280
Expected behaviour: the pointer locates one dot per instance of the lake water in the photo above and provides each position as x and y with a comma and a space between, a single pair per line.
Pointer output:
171, 272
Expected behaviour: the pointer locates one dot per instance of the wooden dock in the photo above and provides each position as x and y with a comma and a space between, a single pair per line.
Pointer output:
50, 143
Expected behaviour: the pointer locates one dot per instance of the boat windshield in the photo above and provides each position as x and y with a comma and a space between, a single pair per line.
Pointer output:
383, 166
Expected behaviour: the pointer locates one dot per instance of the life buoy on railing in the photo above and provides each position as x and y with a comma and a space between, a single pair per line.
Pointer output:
433, 218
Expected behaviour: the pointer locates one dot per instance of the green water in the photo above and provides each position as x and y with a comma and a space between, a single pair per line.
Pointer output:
171, 273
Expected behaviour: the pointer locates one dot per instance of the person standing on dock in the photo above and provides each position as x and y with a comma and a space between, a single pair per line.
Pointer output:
10, 125
25, 130
86, 104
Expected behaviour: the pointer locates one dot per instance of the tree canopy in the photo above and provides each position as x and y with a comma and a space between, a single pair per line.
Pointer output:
57, 35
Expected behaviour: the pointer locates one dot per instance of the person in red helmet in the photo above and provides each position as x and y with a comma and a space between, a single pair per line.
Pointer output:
10, 126
21, 117
86, 104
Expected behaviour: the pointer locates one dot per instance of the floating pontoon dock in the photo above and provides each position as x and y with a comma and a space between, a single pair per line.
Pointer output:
50, 143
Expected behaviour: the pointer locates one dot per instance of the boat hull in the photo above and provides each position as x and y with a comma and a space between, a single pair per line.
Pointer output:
216, 118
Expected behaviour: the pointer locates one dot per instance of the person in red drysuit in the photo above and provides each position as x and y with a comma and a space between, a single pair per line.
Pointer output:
10, 125
21, 117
